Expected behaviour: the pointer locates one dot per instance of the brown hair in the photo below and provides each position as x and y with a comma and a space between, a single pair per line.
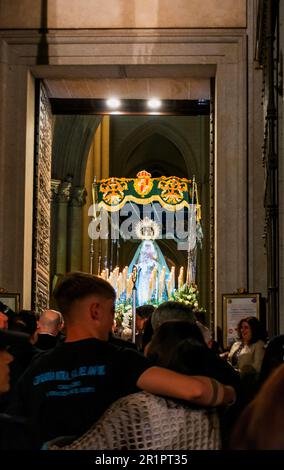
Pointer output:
257, 329
77, 285
164, 348
260, 426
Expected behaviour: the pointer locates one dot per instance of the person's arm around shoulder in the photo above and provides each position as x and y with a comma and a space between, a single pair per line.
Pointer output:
197, 389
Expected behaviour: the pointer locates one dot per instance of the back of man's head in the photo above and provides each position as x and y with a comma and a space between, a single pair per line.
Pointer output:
171, 310
50, 322
77, 286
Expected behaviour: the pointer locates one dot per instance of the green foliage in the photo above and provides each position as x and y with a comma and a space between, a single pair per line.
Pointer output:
188, 295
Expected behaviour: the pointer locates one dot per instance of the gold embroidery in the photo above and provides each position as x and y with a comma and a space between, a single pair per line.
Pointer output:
113, 190
172, 189
143, 184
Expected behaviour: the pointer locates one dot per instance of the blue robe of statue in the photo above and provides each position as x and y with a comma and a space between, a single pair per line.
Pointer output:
148, 256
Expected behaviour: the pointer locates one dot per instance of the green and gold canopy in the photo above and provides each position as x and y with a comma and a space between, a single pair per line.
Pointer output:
171, 192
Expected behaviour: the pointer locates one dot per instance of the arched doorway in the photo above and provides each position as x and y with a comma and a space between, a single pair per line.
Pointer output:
164, 145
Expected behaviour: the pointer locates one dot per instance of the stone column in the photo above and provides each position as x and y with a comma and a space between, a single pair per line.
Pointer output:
78, 200
62, 219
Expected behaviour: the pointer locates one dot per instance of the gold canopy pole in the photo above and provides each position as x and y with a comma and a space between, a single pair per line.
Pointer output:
134, 291
94, 218
190, 253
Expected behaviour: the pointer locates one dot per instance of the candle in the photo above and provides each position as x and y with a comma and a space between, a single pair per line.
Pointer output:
169, 287
173, 278
162, 282
180, 278
124, 278
129, 287
119, 285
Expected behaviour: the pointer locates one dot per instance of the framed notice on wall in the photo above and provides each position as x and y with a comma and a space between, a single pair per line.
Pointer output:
234, 308
11, 300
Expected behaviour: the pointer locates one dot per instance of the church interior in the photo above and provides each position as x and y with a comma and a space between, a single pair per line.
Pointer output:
57, 67
215, 70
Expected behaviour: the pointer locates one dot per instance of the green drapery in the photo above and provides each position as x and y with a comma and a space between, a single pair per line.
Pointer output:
171, 192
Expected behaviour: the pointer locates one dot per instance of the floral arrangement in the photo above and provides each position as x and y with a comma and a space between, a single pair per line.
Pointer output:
188, 295
123, 315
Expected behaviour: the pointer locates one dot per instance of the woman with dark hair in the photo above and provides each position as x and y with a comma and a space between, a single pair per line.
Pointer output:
144, 330
246, 355
180, 346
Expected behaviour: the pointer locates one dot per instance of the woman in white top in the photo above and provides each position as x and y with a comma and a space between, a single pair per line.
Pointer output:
246, 355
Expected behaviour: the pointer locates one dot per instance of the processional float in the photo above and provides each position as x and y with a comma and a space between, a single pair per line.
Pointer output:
145, 209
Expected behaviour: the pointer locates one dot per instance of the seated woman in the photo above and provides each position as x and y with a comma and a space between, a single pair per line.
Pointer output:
246, 355
146, 421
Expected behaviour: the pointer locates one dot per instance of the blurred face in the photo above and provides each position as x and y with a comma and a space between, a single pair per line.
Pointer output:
5, 359
140, 322
147, 251
245, 332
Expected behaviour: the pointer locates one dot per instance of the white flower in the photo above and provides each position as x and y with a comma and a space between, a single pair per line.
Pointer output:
127, 317
126, 334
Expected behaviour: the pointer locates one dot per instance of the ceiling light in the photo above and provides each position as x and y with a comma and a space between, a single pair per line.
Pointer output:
113, 103
154, 103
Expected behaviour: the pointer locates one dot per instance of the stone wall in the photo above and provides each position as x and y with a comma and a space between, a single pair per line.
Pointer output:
89, 14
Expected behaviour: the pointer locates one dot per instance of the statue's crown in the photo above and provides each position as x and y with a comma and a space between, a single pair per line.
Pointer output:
147, 229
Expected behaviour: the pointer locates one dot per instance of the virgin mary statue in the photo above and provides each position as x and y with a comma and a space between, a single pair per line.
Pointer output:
152, 269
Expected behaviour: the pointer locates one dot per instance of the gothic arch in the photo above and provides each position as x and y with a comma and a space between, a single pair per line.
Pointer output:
150, 128
71, 144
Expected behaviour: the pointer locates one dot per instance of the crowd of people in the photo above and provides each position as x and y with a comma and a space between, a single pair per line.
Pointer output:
66, 382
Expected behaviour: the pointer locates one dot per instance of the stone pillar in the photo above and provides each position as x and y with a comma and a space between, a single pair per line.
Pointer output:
62, 219
78, 200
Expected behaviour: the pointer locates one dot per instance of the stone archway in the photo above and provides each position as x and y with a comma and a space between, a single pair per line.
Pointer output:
143, 53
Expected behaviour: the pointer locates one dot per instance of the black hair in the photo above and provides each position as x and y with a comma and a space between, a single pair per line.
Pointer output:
145, 311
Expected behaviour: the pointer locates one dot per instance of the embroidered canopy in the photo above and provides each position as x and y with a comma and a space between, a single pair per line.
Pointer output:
171, 192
